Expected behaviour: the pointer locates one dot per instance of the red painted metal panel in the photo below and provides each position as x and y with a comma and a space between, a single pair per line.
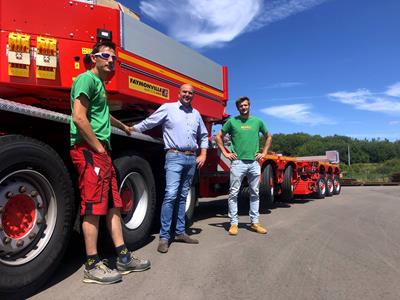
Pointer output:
59, 19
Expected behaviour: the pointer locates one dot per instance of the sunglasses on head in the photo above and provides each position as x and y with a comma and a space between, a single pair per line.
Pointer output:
105, 55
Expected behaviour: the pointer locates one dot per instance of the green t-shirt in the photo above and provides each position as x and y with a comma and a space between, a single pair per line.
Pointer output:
245, 136
98, 112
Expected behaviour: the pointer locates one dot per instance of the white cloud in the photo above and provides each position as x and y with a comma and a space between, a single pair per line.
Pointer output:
297, 113
394, 90
363, 99
394, 123
277, 10
209, 23
283, 85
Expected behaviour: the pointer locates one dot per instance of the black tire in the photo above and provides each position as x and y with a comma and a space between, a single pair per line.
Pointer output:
33, 171
337, 187
320, 188
136, 182
267, 186
287, 185
329, 186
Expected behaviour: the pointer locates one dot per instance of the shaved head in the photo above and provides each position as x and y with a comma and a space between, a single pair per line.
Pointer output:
186, 94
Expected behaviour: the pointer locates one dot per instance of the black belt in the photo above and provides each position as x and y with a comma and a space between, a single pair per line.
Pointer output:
186, 152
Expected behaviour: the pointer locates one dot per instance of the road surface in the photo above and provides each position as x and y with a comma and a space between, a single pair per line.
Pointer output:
341, 247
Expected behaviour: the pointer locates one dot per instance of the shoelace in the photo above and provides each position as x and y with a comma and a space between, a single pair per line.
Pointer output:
102, 266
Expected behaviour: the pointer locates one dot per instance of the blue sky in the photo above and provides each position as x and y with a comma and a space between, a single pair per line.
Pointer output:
315, 66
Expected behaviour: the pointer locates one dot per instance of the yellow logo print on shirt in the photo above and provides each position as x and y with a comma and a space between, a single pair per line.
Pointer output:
245, 127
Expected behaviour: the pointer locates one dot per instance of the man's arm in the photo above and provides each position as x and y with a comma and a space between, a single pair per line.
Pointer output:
157, 118
267, 144
117, 123
202, 140
219, 140
81, 105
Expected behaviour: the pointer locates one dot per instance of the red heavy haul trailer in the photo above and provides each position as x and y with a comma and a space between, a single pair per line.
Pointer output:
283, 178
43, 44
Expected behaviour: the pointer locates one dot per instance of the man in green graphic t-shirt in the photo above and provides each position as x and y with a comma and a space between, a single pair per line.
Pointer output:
244, 131
90, 130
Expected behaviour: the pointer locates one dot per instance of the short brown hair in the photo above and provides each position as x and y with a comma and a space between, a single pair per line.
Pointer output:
97, 46
241, 99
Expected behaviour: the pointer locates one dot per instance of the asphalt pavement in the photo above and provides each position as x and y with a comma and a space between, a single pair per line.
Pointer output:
341, 247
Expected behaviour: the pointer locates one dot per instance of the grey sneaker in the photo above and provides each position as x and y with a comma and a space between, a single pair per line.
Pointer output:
134, 265
101, 274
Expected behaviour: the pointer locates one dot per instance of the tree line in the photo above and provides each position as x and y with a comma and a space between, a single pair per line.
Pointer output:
361, 151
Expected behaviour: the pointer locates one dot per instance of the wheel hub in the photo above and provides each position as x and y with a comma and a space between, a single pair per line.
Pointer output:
134, 190
330, 186
18, 216
27, 216
127, 196
271, 184
337, 184
322, 187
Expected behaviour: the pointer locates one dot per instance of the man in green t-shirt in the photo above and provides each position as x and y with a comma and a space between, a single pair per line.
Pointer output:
244, 132
90, 129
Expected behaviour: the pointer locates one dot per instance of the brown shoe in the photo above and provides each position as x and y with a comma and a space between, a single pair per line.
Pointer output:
233, 230
258, 228
184, 238
162, 246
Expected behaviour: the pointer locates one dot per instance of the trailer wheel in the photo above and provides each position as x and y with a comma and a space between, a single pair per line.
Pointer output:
267, 185
190, 204
137, 190
337, 187
36, 213
321, 188
329, 186
287, 185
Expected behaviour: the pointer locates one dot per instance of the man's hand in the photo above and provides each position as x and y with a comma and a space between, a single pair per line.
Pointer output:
127, 129
260, 156
201, 158
219, 140
100, 149
229, 155
117, 123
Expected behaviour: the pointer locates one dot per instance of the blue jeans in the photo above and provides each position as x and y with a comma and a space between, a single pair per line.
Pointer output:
239, 169
179, 172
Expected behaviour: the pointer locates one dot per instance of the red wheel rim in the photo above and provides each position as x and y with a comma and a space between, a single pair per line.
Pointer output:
127, 199
19, 216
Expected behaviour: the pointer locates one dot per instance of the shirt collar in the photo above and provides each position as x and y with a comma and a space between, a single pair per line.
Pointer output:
181, 106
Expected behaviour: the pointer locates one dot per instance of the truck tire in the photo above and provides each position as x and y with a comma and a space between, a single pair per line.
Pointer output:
267, 186
137, 190
329, 186
337, 187
287, 184
320, 188
190, 204
37, 210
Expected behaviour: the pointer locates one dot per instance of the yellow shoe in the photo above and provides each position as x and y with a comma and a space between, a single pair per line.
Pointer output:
233, 230
258, 228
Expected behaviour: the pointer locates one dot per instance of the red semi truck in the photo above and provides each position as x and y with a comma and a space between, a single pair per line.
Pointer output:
43, 44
